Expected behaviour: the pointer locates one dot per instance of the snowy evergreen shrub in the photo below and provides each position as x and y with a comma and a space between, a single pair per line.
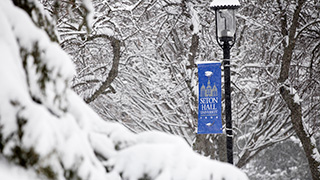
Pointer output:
48, 132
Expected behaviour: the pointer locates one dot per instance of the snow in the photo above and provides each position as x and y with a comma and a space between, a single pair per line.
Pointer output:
120, 6
88, 5
194, 19
169, 159
174, 1
9, 51
218, 3
11, 172
53, 134
65, 132
286, 40
315, 151
296, 97
205, 62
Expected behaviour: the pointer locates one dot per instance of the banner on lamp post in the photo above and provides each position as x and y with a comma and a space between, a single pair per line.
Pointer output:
209, 114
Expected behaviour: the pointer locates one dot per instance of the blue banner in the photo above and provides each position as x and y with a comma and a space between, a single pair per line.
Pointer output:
209, 114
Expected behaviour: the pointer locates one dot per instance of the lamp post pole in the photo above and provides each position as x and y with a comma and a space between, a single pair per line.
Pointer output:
227, 90
226, 37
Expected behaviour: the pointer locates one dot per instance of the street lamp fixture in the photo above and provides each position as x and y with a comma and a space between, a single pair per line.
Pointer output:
226, 37
225, 20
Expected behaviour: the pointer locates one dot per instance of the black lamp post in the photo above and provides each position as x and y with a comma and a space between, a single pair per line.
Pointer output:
226, 37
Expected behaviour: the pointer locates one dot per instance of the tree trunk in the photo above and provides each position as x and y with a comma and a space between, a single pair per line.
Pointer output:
306, 139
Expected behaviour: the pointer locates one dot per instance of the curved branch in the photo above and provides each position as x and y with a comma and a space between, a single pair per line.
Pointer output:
305, 27
113, 73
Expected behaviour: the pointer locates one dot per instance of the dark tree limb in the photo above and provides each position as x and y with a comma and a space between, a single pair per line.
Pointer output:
309, 147
113, 73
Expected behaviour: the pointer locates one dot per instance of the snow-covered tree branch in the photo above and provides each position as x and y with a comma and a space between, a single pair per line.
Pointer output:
49, 132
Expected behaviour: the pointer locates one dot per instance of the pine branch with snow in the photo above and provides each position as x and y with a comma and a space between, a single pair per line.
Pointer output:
48, 132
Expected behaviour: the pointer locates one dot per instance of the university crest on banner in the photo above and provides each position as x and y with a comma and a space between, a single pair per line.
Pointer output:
209, 114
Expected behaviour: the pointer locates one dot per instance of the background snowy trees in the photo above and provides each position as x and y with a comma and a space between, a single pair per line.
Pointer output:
151, 70
135, 65
283, 66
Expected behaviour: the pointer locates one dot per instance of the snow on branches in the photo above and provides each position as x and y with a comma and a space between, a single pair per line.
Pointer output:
48, 132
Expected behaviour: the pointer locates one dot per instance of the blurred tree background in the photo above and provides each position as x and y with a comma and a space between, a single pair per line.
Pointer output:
136, 65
